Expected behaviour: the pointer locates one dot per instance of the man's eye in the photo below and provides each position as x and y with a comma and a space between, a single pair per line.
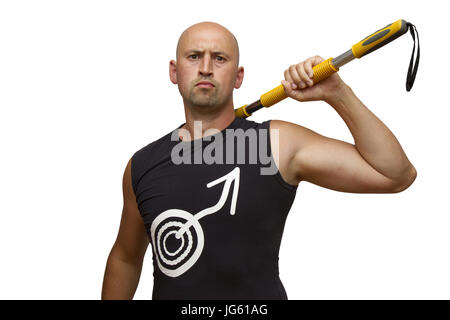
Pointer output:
220, 58
193, 56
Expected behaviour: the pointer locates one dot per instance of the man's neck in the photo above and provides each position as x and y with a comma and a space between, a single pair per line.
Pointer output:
217, 120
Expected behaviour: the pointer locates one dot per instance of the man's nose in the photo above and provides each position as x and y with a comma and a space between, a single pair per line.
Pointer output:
206, 66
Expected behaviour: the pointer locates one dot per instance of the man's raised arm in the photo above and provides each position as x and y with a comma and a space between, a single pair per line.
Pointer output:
376, 163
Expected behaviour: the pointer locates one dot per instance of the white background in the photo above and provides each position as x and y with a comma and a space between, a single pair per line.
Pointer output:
84, 84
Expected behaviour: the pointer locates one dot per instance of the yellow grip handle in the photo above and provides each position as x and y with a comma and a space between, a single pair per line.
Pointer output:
242, 112
323, 70
320, 72
380, 38
273, 96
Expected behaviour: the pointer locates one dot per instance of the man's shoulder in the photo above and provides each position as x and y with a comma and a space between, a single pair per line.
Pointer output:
149, 156
155, 146
246, 123
285, 125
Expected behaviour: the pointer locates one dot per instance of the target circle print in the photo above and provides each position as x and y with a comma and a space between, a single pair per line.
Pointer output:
160, 236
177, 236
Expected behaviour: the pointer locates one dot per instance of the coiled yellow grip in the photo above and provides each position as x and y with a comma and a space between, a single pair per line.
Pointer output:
273, 96
321, 71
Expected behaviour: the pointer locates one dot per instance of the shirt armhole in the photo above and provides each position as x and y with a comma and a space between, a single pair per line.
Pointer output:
133, 174
283, 183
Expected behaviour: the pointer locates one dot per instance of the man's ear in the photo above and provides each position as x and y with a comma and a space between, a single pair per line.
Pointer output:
173, 71
239, 78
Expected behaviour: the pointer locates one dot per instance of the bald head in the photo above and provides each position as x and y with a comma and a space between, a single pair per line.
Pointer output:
211, 30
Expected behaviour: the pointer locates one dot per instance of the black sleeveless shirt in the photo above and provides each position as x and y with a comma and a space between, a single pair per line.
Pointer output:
215, 228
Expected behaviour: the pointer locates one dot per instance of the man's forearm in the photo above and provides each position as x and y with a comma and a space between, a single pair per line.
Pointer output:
121, 279
374, 141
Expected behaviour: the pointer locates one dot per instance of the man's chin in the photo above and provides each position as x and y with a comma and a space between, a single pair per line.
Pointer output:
202, 106
204, 103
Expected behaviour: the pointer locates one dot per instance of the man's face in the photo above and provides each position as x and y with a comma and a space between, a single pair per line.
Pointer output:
206, 54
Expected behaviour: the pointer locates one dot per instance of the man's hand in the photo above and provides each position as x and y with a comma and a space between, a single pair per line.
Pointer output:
298, 83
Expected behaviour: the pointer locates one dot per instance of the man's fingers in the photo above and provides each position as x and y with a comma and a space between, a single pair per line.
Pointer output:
305, 78
295, 76
301, 75
309, 67
287, 87
288, 78
318, 59
290, 92
296, 94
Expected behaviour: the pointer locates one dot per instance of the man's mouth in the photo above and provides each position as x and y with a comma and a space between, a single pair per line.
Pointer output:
204, 84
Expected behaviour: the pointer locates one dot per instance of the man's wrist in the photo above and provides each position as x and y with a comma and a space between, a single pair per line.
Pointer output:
339, 96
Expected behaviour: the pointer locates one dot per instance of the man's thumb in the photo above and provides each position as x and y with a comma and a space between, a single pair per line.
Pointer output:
287, 87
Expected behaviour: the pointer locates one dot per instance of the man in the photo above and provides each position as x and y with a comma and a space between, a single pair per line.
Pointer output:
209, 249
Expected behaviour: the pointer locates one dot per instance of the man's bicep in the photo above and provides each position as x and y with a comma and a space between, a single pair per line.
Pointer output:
337, 165
132, 239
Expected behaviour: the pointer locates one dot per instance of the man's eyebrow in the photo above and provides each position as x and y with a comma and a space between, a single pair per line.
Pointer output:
214, 52
221, 52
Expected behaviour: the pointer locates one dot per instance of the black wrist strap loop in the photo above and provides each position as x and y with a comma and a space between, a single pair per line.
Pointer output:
411, 76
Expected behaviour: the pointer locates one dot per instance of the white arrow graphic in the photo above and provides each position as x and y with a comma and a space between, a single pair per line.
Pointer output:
184, 232
228, 178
